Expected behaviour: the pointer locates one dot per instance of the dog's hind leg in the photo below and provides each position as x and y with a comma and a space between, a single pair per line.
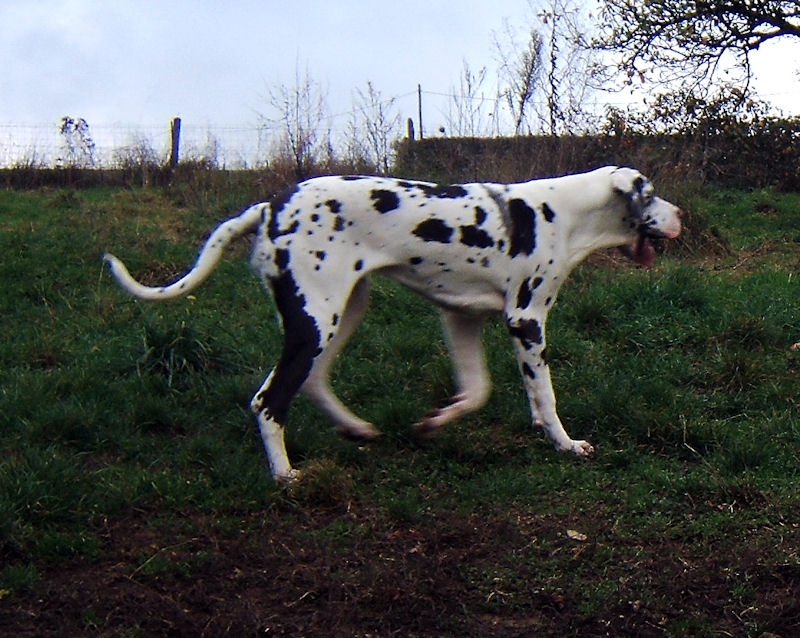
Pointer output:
317, 386
464, 334
302, 344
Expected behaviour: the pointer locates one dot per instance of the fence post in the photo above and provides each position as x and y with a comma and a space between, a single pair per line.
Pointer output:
175, 132
410, 130
419, 105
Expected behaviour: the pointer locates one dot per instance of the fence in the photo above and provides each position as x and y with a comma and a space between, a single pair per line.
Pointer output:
44, 145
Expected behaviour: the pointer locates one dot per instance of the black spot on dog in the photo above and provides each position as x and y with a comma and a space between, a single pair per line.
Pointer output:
338, 224
549, 214
359, 265
528, 332
480, 215
415, 261
300, 346
527, 371
537, 281
439, 191
523, 228
314, 217
277, 204
274, 230
476, 237
433, 230
320, 255
524, 294
384, 200
279, 201
333, 205
282, 258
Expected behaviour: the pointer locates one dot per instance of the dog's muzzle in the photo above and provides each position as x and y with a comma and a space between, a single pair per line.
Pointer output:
641, 249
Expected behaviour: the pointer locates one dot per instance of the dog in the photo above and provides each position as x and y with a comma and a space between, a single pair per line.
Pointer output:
472, 249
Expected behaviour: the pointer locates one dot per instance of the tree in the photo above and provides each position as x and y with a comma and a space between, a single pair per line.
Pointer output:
301, 109
571, 68
467, 116
373, 127
77, 143
520, 73
546, 81
692, 41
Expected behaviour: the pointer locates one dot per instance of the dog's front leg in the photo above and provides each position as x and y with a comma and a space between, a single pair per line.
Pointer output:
529, 343
472, 377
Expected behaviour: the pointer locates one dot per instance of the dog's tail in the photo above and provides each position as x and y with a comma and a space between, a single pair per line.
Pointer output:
209, 257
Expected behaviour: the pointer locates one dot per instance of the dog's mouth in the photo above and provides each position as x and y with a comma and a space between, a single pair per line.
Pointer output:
641, 250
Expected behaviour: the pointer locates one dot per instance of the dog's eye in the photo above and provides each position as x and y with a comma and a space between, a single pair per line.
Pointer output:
647, 194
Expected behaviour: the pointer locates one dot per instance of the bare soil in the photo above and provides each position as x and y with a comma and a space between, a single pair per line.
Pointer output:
319, 571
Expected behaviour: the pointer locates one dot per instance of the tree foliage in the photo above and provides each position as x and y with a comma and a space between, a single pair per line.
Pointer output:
692, 40
300, 112
78, 145
547, 77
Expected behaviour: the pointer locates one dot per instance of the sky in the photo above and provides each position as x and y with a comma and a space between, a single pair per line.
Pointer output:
139, 63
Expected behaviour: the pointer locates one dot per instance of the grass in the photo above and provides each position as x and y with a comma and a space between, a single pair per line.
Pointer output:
116, 414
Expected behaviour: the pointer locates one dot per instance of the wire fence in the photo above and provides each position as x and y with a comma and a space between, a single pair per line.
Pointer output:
45, 145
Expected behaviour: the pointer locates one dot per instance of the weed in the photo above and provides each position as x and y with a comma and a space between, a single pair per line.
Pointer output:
15, 579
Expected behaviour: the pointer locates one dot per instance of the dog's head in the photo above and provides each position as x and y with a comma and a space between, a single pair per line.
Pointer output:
649, 216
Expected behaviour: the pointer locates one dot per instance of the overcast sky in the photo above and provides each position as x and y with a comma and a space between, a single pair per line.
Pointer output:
213, 62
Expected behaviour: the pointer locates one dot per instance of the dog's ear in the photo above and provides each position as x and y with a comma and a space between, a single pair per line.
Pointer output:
627, 180
631, 184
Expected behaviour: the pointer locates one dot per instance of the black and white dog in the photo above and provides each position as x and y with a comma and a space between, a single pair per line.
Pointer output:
472, 249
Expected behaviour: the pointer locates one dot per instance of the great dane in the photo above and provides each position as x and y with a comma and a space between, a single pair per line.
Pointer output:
472, 249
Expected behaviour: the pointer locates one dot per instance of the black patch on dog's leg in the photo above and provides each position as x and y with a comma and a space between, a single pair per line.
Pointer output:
522, 233
433, 230
528, 332
527, 371
301, 344
524, 294
282, 258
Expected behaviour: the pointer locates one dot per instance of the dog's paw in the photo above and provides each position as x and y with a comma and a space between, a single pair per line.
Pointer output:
361, 432
427, 428
289, 478
582, 448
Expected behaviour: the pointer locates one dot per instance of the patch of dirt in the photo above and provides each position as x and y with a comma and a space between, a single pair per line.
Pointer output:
291, 571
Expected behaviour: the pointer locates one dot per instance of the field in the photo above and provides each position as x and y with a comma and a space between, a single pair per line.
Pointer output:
135, 498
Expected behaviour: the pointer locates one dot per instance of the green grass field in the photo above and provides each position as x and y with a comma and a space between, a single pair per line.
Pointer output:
135, 498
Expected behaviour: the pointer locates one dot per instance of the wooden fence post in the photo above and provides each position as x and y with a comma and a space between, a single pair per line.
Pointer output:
419, 105
175, 132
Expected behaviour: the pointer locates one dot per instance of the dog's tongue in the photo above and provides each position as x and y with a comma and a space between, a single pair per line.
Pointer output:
645, 253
